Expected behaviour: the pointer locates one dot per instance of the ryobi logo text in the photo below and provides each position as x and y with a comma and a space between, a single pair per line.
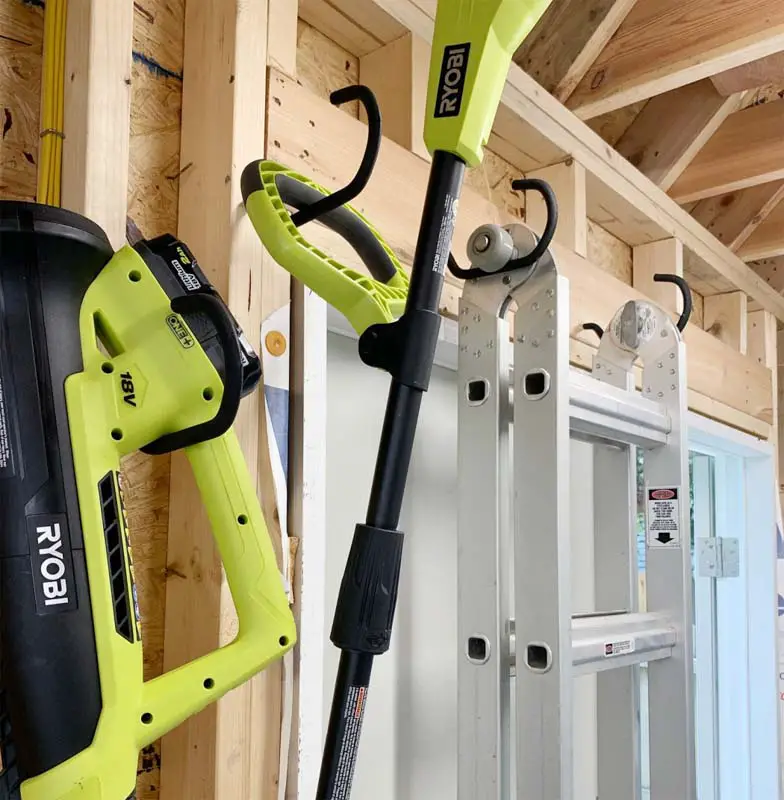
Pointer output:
52, 565
452, 82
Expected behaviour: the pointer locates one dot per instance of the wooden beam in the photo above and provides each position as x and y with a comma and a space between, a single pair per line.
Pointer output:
568, 39
750, 76
725, 318
771, 270
732, 218
747, 150
323, 151
693, 113
97, 119
568, 183
360, 28
712, 409
762, 338
282, 35
398, 75
232, 749
763, 348
767, 241
665, 257
664, 44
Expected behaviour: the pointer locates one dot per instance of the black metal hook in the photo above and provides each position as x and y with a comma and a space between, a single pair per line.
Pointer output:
359, 181
551, 204
593, 326
688, 304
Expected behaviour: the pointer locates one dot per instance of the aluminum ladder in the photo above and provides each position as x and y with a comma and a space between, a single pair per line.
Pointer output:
519, 404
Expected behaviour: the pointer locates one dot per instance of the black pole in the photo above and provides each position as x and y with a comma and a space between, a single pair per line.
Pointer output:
368, 593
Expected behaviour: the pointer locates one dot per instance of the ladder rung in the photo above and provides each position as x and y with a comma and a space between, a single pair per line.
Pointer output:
609, 641
598, 410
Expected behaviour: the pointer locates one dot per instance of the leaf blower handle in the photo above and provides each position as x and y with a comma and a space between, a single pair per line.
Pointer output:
250, 562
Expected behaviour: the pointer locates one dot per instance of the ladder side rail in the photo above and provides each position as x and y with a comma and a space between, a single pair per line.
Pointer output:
669, 578
483, 465
542, 585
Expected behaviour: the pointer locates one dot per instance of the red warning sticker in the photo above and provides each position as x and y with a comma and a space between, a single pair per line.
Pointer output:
663, 517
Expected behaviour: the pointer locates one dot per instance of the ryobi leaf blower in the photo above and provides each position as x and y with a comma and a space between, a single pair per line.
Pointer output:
101, 354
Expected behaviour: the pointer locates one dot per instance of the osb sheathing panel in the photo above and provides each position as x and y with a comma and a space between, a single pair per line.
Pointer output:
21, 44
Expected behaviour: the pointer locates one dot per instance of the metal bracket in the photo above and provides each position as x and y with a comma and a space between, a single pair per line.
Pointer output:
718, 557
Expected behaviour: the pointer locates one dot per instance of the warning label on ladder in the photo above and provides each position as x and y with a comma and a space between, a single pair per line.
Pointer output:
621, 647
663, 517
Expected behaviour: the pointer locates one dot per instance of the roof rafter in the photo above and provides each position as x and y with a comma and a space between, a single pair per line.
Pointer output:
664, 44
567, 40
767, 241
732, 218
663, 151
747, 150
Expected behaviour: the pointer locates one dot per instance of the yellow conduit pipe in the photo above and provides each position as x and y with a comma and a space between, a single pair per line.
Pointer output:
50, 157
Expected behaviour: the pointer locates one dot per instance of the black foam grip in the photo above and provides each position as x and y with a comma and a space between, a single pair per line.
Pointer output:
345, 223
368, 593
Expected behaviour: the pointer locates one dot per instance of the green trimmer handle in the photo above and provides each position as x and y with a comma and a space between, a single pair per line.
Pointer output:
268, 189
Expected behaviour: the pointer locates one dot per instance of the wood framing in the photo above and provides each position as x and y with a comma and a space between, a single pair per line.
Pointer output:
747, 150
732, 218
750, 76
360, 28
282, 35
767, 241
725, 318
693, 114
533, 130
21, 49
568, 39
98, 113
715, 370
398, 74
568, 182
619, 198
665, 257
664, 44
232, 749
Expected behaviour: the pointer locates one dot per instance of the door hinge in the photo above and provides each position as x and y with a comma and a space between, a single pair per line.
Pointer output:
718, 558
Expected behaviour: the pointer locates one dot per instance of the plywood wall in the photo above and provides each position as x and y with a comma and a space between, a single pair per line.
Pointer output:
21, 44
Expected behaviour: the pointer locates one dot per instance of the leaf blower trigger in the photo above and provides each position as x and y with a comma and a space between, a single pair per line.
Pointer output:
102, 354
